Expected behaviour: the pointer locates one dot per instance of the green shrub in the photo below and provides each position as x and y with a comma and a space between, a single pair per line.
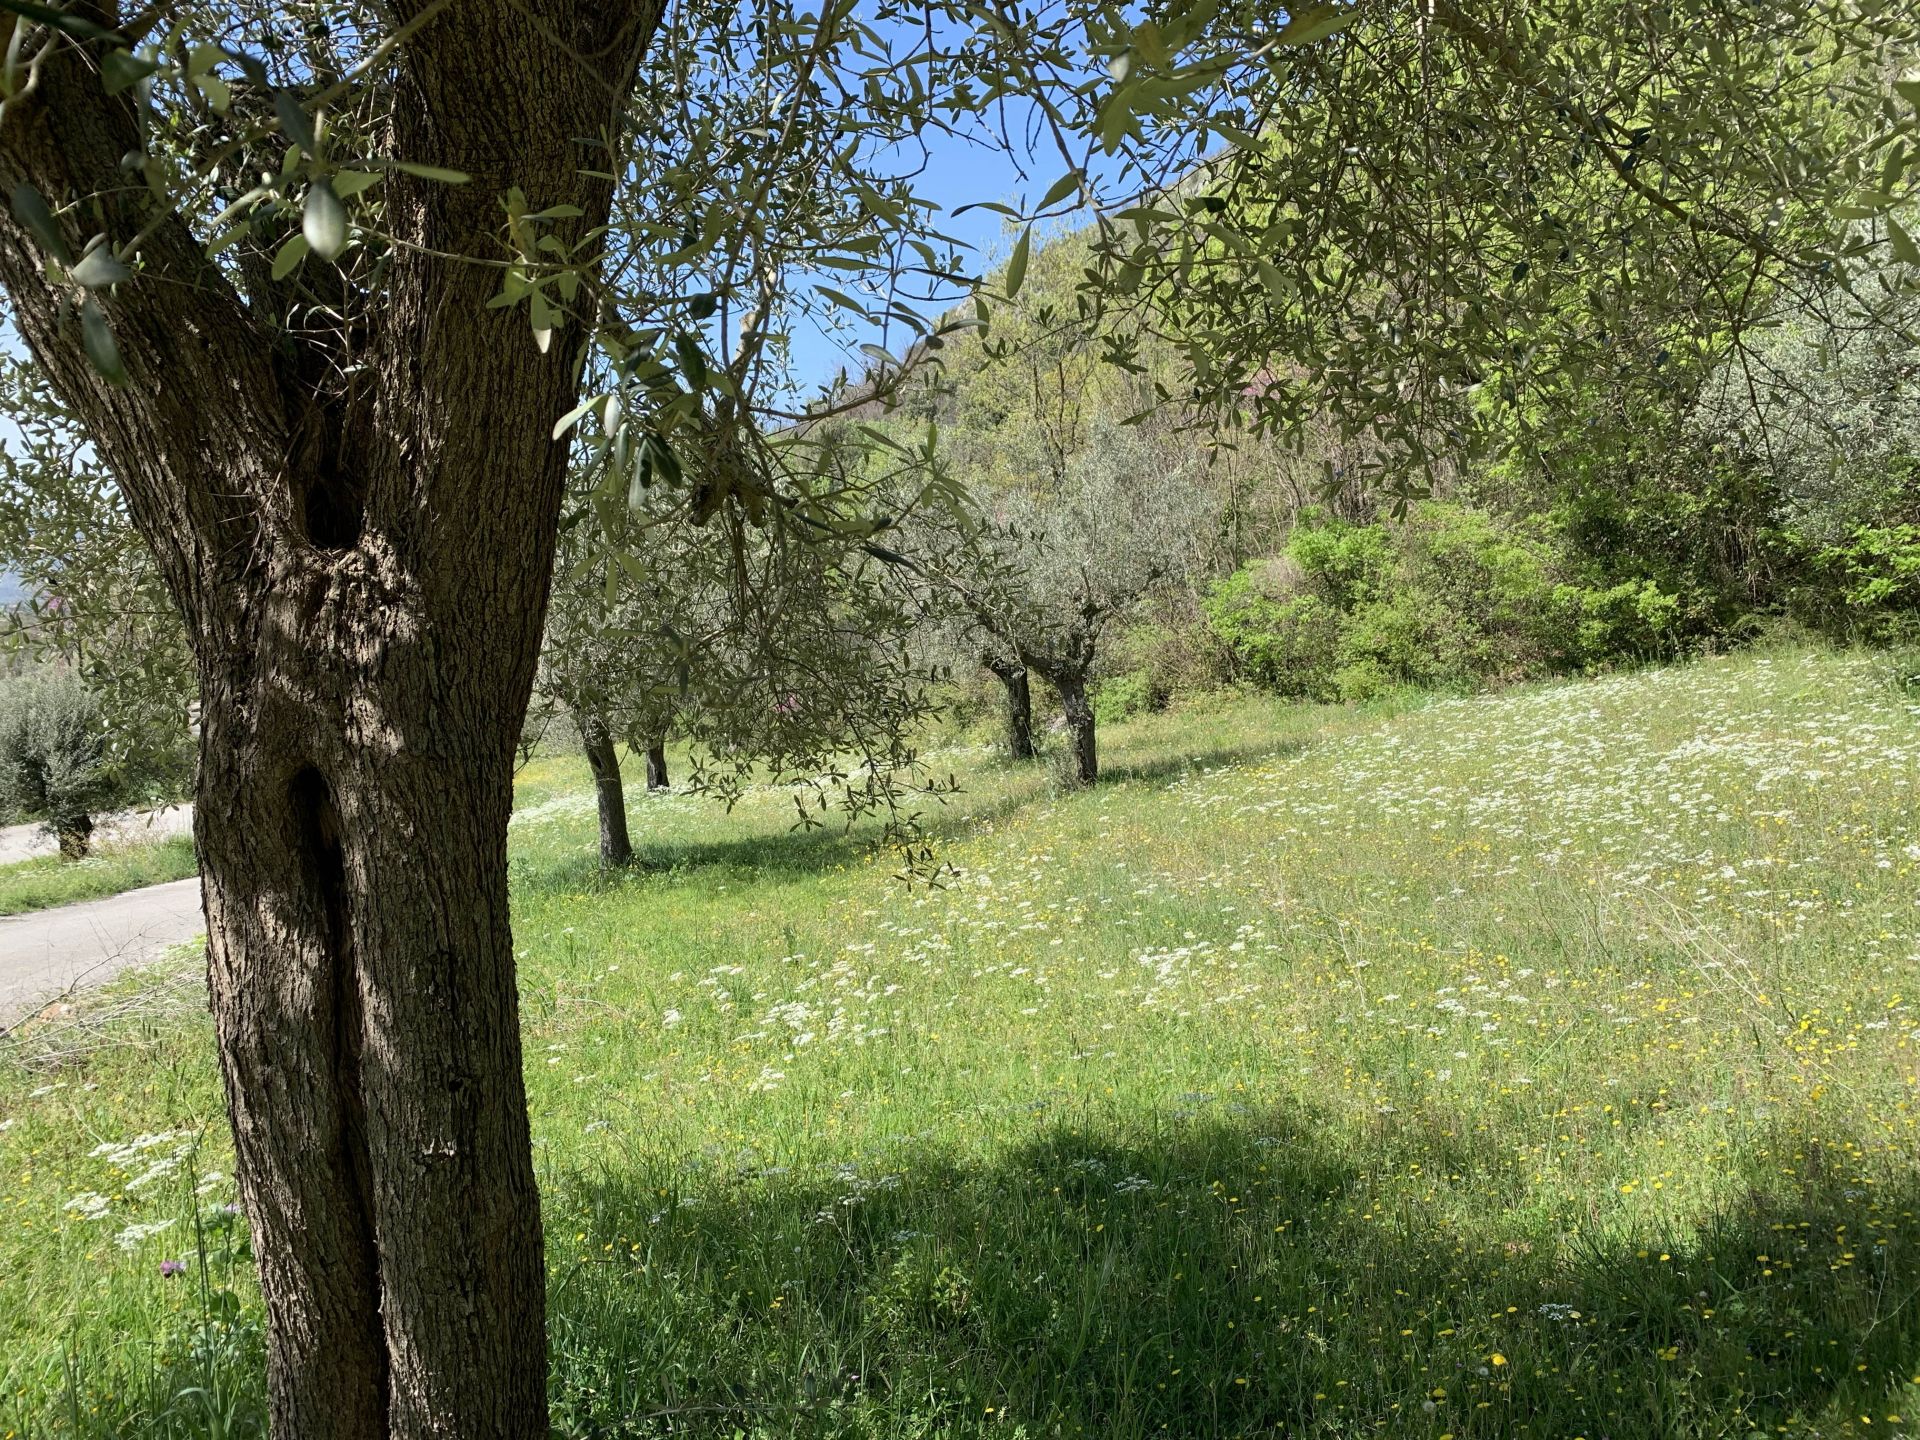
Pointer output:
1447, 597
1635, 619
1287, 645
1344, 564
1121, 697
1875, 576
1408, 638
52, 757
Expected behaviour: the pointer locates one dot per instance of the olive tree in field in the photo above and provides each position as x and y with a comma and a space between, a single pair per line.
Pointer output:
780, 653
349, 484
1828, 402
1005, 665
1042, 571
323, 284
96, 604
950, 639
53, 762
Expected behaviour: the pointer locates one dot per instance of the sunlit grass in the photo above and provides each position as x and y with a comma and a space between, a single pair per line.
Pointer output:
47, 880
1535, 1065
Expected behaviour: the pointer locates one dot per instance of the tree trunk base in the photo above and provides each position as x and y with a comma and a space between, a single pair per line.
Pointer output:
1085, 756
1019, 716
609, 793
76, 837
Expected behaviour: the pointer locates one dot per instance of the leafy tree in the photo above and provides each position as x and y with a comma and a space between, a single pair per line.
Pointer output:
781, 652
1430, 214
1044, 570
1005, 665
53, 762
96, 603
1827, 402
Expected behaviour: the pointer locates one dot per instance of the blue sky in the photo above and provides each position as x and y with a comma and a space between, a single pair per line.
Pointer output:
958, 175
962, 177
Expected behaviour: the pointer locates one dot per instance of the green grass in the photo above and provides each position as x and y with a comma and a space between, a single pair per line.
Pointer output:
1536, 1065
46, 881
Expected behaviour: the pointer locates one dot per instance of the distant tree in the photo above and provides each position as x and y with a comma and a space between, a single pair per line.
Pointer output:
1006, 666
1042, 571
779, 652
96, 603
53, 757
1826, 401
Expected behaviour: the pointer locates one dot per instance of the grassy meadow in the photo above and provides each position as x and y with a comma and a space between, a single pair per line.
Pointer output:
1534, 1065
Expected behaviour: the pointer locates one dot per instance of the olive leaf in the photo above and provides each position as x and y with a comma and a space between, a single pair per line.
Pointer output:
1017, 263
99, 267
324, 221
30, 209
102, 350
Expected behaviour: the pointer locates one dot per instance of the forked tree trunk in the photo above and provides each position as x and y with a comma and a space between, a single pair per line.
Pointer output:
1074, 705
362, 569
609, 793
362, 981
1019, 711
657, 765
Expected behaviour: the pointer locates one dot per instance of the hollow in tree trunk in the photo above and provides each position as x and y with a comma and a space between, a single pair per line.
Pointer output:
603, 760
657, 765
1019, 711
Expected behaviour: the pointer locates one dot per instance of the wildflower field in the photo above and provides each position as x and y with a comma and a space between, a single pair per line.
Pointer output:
1534, 1065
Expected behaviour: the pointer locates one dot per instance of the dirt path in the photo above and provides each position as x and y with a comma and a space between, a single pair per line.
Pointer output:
45, 954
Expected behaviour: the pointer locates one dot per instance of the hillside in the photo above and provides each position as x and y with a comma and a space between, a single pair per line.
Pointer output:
1538, 1064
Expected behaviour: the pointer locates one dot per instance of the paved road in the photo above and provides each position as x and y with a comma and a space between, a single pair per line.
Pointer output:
134, 827
46, 953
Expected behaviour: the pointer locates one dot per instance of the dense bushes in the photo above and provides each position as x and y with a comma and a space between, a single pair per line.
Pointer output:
52, 757
1869, 584
1448, 597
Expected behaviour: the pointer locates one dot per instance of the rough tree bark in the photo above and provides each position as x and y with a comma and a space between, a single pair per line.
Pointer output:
362, 570
1065, 663
611, 796
1019, 716
1078, 710
657, 765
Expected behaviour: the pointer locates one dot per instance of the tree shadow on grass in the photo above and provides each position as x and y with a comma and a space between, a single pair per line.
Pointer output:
800, 854
1226, 1276
1179, 767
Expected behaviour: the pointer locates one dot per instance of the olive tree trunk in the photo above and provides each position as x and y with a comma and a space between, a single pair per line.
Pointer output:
609, 793
1019, 711
1065, 661
1078, 712
75, 835
362, 569
657, 765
